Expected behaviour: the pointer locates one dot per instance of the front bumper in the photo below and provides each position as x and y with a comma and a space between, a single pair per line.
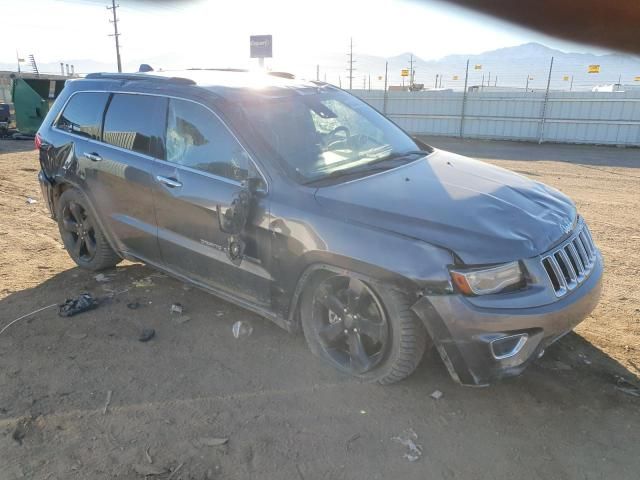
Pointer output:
463, 332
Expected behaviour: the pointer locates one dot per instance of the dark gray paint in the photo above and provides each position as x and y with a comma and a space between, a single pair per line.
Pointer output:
403, 228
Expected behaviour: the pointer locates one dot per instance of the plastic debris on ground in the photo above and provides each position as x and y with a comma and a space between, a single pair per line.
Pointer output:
73, 306
436, 395
143, 282
101, 277
147, 334
241, 329
625, 386
213, 442
408, 438
31, 201
176, 309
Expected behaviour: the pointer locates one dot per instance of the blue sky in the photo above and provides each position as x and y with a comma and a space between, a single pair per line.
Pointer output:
216, 32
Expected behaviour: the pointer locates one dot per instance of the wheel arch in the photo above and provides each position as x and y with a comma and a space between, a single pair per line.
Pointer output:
62, 185
326, 262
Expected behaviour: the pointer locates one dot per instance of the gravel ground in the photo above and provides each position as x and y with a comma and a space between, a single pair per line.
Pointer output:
195, 403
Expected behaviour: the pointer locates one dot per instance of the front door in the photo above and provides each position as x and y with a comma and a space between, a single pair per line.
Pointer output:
206, 168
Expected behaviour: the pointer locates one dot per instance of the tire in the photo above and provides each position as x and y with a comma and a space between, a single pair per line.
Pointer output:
402, 347
81, 235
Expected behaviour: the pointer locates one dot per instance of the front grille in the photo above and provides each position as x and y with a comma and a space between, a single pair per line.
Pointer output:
571, 263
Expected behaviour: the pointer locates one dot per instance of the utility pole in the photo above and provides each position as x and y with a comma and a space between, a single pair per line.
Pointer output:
544, 105
495, 82
351, 62
482, 87
115, 33
435, 85
571, 86
384, 102
464, 100
369, 82
317, 73
411, 72
526, 88
489, 80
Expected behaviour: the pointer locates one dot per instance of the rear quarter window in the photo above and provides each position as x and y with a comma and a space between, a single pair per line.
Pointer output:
83, 114
136, 123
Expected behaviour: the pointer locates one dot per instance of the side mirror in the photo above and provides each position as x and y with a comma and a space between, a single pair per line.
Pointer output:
233, 219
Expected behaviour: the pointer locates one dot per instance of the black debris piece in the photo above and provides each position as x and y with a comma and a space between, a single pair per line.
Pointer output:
73, 306
147, 334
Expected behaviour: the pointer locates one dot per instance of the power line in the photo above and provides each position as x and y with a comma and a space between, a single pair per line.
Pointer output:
115, 33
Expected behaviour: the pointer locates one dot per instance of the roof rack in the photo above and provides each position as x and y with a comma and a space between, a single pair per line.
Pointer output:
139, 76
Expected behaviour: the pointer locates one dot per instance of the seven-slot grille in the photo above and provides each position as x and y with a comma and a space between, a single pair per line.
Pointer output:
571, 263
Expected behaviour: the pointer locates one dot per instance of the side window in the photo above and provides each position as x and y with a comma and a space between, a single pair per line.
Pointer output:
83, 114
196, 138
136, 122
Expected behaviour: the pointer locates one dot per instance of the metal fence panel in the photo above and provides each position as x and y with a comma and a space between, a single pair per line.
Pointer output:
570, 117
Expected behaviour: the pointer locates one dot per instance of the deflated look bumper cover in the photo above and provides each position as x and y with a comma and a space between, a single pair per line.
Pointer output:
463, 332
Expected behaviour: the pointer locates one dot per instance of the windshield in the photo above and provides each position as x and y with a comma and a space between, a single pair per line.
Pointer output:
326, 132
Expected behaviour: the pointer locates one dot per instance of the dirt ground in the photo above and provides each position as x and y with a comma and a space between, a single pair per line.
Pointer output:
195, 403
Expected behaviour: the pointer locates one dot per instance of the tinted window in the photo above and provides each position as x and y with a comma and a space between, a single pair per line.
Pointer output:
83, 114
136, 122
196, 138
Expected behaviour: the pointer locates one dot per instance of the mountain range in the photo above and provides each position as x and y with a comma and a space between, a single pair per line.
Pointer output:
507, 67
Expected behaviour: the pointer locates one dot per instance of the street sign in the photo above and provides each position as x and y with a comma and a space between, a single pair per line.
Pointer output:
637, 79
455, 77
404, 72
594, 69
380, 77
477, 66
565, 78
261, 46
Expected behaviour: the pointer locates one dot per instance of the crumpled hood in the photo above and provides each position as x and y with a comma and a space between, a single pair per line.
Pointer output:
485, 214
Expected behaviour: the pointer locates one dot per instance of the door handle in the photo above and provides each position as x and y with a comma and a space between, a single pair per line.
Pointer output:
94, 157
169, 182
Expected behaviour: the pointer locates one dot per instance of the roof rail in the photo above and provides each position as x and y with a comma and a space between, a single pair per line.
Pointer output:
139, 76
287, 75
236, 70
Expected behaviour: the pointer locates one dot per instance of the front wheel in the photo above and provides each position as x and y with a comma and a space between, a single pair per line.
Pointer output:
369, 333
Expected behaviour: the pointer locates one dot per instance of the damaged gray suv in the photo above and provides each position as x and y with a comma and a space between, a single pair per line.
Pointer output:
300, 202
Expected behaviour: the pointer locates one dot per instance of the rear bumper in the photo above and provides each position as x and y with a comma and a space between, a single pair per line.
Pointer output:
463, 333
47, 192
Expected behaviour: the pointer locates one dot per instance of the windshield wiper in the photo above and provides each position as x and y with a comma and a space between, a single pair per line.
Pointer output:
379, 164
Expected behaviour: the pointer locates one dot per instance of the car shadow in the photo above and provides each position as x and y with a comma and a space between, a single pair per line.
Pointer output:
586, 155
133, 297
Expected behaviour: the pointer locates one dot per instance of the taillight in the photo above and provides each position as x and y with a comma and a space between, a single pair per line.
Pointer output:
37, 141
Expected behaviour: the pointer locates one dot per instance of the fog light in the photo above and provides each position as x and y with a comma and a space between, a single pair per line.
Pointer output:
506, 347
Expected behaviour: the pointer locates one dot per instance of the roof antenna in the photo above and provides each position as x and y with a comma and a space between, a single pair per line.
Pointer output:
144, 67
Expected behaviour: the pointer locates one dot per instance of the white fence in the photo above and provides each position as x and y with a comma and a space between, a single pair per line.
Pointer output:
565, 117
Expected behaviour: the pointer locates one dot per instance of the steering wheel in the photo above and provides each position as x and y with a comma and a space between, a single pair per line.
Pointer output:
333, 133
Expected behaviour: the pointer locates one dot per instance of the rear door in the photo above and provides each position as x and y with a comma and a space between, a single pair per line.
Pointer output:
119, 170
204, 171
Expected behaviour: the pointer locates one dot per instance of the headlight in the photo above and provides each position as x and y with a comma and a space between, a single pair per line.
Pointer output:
487, 280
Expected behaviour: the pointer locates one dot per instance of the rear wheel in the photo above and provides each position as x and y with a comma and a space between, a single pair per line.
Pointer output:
81, 235
368, 332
